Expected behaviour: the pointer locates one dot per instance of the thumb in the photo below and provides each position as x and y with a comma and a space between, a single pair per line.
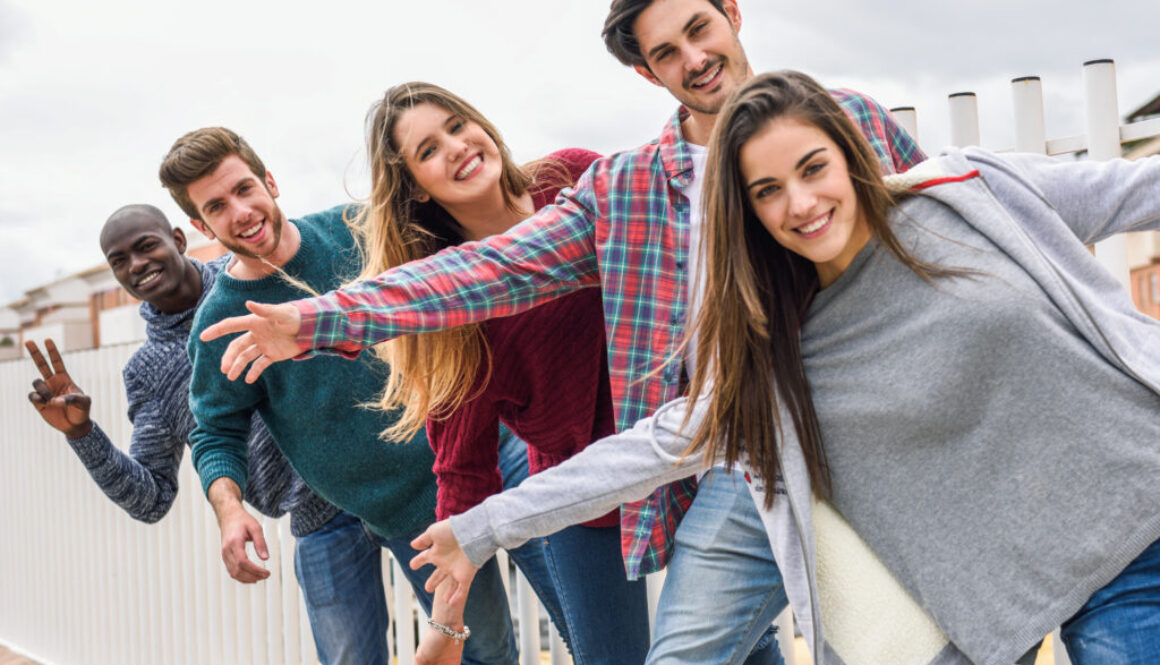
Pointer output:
259, 541
422, 541
262, 309
79, 402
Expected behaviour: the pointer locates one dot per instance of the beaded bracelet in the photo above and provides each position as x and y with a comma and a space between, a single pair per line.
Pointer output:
456, 635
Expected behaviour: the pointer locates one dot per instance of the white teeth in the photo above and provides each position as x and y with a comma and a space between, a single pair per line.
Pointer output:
249, 233
814, 226
709, 76
469, 168
148, 278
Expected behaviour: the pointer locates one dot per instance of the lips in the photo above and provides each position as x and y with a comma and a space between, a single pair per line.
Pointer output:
249, 233
817, 227
709, 77
148, 279
469, 167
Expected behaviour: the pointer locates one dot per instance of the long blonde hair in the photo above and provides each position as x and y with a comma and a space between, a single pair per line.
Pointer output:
432, 373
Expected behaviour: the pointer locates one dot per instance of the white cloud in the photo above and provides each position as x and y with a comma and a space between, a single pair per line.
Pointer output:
93, 94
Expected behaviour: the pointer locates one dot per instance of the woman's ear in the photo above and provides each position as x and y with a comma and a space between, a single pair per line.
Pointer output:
421, 196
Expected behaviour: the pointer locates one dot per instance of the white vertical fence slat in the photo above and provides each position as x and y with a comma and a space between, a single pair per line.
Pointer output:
1101, 111
964, 107
907, 118
1030, 130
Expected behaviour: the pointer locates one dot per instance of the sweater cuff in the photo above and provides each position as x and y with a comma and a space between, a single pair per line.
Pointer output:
474, 534
92, 447
210, 470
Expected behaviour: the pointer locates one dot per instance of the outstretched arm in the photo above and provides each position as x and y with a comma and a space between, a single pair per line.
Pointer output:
544, 257
614, 470
142, 482
1095, 199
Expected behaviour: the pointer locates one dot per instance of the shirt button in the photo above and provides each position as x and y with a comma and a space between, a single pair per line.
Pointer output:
669, 375
680, 265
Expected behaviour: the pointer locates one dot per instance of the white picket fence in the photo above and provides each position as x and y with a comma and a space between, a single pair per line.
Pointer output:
82, 583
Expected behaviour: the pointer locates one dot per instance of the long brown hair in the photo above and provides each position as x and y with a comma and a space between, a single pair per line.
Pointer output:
432, 374
749, 356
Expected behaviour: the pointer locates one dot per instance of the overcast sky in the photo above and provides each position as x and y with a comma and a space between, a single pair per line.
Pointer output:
92, 94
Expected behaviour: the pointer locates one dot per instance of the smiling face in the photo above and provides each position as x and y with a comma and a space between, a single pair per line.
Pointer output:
147, 258
237, 208
452, 159
797, 180
691, 49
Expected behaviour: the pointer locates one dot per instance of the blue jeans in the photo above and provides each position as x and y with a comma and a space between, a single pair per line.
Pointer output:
339, 568
531, 557
723, 590
1120, 623
340, 573
607, 614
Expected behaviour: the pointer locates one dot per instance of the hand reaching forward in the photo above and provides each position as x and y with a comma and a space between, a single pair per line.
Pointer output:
440, 549
270, 334
61, 403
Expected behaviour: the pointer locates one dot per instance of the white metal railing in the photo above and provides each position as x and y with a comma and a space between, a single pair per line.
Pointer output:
81, 582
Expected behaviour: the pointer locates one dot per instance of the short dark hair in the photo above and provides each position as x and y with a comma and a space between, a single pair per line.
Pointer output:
198, 154
618, 35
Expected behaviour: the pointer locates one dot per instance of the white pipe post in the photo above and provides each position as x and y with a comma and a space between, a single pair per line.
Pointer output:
1103, 139
964, 119
1030, 130
528, 607
907, 118
558, 651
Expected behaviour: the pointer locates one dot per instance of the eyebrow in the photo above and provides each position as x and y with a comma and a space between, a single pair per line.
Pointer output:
800, 163
688, 25
135, 244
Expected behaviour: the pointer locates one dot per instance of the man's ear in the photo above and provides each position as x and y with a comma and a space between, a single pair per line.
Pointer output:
179, 240
644, 71
203, 227
733, 13
271, 186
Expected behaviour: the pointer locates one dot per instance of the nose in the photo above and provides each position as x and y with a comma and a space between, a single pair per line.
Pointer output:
456, 147
694, 59
137, 263
802, 200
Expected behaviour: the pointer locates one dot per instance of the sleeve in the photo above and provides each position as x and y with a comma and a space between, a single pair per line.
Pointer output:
614, 470
222, 410
1094, 199
466, 446
144, 481
547, 255
896, 149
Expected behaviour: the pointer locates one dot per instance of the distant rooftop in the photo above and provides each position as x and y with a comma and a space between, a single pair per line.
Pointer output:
1150, 109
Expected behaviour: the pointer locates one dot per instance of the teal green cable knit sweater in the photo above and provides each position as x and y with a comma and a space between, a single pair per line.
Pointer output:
314, 409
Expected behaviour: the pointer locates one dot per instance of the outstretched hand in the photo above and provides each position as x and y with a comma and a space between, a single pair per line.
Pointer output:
440, 548
270, 334
60, 402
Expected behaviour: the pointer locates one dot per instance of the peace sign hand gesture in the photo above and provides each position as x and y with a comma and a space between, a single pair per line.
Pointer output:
61, 403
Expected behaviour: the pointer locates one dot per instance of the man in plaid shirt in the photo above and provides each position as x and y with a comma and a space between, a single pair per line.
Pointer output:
630, 226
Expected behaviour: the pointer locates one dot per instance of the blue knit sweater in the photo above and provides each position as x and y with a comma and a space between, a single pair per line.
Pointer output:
316, 410
144, 481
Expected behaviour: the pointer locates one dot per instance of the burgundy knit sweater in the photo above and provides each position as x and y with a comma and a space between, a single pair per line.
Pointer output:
548, 384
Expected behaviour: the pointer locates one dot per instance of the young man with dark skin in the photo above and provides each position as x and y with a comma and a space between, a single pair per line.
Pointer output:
316, 411
147, 258
631, 226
